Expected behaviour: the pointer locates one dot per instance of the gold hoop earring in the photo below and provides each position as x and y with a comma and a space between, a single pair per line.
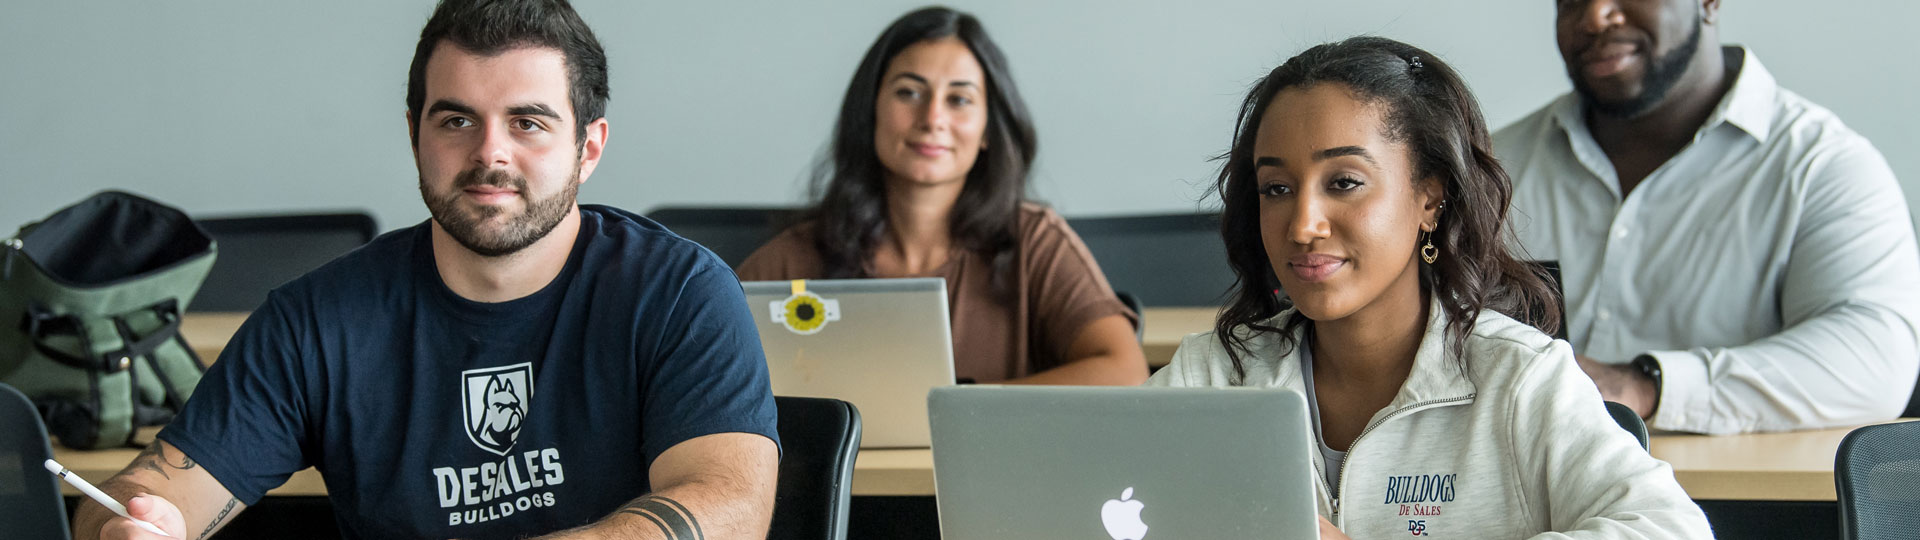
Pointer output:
1428, 252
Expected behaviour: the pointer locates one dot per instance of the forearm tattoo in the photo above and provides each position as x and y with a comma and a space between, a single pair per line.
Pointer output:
156, 458
672, 517
219, 518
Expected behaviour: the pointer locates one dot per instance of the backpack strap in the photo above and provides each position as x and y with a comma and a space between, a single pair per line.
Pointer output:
148, 347
42, 324
114, 408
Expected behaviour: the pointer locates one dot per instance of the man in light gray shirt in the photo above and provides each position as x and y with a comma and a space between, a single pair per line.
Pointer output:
1734, 258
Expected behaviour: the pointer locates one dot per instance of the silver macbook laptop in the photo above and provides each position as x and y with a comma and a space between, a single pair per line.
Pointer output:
880, 344
1122, 463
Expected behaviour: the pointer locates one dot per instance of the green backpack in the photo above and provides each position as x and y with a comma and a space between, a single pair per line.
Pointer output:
90, 305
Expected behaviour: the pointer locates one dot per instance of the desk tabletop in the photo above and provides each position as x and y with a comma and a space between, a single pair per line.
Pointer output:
97, 466
209, 333
878, 472
896, 472
1166, 326
1790, 466
1794, 466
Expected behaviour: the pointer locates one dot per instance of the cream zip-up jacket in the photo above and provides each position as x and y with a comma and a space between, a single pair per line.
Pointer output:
1512, 443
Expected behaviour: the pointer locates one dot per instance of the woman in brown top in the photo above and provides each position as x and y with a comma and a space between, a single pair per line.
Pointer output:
925, 179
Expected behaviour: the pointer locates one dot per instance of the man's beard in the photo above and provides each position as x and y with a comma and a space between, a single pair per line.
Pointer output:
539, 219
1663, 73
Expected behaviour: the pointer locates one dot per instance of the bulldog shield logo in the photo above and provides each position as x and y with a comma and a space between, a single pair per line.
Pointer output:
496, 403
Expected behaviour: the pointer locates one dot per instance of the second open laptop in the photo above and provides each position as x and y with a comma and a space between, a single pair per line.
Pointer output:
880, 344
1122, 463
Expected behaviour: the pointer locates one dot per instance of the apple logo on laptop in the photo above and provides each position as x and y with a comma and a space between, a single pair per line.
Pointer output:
1122, 517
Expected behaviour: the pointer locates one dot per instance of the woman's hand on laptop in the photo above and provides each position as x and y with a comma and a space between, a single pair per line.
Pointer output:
1330, 532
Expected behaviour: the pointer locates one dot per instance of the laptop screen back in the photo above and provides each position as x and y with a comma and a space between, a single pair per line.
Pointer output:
1082, 462
880, 344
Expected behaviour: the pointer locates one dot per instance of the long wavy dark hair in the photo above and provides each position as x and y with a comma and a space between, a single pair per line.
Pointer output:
850, 182
1427, 107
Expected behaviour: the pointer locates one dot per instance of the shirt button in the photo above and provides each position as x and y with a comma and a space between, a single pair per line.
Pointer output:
1620, 232
1605, 315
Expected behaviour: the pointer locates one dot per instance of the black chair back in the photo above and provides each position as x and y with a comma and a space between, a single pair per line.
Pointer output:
819, 438
1629, 421
1913, 403
1133, 302
259, 253
1559, 300
1877, 477
731, 233
1165, 260
30, 504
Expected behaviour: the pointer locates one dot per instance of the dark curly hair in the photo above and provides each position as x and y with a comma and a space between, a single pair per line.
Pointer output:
491, 27
850, 182
1429, 108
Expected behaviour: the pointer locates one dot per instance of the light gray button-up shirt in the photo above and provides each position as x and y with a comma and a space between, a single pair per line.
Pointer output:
1770, 266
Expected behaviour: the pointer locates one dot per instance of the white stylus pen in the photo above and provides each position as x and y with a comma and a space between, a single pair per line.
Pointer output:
80, 484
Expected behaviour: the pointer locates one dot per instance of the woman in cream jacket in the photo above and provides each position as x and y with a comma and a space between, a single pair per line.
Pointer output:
1363, 213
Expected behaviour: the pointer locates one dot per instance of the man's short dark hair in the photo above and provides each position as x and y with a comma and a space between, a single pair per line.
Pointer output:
491, 27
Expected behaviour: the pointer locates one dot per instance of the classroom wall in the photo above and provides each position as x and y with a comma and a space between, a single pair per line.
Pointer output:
233, 107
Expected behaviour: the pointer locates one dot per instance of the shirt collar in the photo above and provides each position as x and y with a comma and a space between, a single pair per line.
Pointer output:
1436, 375
1748, 105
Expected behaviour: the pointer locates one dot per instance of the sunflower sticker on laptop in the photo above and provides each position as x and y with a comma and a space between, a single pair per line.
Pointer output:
804, 313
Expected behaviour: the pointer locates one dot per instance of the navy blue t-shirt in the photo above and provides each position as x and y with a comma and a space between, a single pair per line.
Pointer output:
433, 416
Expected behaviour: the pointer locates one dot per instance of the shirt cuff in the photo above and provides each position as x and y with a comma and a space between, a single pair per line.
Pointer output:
1685, 397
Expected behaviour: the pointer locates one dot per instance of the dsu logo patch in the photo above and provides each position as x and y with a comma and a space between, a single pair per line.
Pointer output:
496, 404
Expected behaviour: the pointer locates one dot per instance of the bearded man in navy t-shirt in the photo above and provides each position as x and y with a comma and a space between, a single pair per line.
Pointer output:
518, 365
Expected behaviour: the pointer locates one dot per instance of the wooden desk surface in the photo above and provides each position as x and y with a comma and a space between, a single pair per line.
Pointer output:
209, 333
876, 472
1165, 327
1795, 466
98, 465
902, 472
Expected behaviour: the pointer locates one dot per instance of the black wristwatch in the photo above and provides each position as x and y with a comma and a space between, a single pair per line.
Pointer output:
1650, 367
